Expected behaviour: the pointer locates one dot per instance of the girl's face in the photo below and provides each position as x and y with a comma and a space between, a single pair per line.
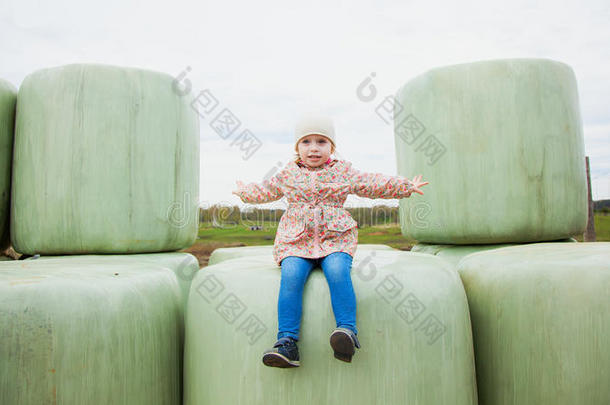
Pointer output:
314, 150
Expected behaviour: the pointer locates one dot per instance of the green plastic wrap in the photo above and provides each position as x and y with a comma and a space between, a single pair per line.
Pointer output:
184, 265
455, 253
222, 254
414, 331
106, 160
92, 330
500, 143
8, 98
541, 323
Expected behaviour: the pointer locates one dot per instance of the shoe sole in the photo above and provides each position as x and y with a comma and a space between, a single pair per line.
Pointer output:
278, 360
343, 346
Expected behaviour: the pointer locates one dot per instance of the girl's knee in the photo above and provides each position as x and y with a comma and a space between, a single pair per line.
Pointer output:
338, 273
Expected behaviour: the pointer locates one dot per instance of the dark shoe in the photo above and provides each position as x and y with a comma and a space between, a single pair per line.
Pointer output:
343, 341
285, 353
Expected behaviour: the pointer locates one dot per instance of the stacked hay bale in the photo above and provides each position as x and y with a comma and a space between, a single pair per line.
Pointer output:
105, 175
501, 144
104, 162
415, 335
540, 322
91, 330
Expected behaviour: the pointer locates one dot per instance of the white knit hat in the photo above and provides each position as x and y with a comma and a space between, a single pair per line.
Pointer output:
313, 123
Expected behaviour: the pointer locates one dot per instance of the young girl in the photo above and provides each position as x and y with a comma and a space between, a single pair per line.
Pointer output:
316, 230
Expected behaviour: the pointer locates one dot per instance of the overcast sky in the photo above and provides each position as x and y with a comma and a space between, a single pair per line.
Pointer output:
268, 61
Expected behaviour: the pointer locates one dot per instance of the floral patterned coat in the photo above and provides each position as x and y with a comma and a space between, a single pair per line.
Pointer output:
315, 224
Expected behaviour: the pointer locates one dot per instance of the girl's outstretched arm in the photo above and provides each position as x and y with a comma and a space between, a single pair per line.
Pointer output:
268, 191
377, 185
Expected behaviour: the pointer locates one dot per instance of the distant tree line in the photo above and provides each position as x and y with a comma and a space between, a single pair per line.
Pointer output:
602, 206
219, 215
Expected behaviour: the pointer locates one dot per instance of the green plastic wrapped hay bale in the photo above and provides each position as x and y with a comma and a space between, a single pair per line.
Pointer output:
541, 323
413, 323
222, 254
91, 330
8, 97
106, 160
455, 253
500, 143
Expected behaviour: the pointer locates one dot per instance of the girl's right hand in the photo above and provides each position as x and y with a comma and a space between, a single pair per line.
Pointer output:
240, 185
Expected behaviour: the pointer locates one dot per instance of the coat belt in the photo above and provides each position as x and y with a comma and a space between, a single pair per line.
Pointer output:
314, 205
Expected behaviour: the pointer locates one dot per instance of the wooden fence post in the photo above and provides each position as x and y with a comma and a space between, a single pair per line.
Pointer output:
589, 235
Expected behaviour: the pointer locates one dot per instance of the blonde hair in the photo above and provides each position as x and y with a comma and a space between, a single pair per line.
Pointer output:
297, 157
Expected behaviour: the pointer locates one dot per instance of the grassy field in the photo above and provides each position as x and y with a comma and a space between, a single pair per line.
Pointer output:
211, 238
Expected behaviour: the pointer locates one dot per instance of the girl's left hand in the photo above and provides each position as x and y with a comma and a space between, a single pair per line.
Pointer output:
417, 184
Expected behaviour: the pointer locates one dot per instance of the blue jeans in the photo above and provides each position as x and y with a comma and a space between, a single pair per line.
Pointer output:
295, 270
